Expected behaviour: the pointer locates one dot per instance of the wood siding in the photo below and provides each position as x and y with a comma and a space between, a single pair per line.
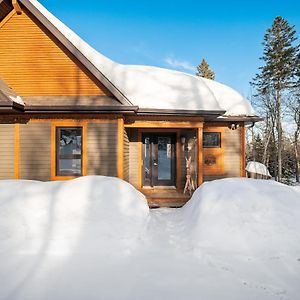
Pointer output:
102, 149
232, 155
35, 151
33, 63
126, 156
7, 153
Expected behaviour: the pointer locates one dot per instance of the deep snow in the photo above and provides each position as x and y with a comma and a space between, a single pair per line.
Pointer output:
94, 238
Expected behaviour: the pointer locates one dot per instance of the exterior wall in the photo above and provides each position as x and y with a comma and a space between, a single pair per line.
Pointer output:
102, 149
126, 155
32, 62
35, 151
231, 154
133, 157
7, 153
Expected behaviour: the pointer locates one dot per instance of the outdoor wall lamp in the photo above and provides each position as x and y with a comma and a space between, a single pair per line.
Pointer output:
234, 126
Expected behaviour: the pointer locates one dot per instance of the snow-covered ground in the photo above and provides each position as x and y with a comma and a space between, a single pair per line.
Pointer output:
94, 238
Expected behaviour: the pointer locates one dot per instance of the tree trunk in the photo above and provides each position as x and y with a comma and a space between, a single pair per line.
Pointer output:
266, 148
297, 161
253, 145
279, 135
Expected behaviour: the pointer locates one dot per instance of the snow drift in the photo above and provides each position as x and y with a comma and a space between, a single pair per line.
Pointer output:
94, 238
244, 216
62, 217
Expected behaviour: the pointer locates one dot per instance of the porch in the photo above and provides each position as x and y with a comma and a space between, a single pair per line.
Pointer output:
163, 159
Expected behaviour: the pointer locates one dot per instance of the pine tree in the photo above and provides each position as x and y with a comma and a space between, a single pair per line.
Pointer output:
204, 70
278, 73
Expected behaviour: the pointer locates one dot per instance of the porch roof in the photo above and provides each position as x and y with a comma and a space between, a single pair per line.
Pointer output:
9, 100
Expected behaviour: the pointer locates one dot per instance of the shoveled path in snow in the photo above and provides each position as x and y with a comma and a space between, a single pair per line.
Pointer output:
166, 266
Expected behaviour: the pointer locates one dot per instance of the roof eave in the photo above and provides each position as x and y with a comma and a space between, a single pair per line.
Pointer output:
206, 114
82, 109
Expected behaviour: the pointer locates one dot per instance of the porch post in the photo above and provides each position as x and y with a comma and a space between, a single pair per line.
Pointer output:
120, 171
200, 155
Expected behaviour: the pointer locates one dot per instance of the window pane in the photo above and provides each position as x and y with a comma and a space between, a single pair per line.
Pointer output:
147, 157
69, 166
211, 139
164, 158
69, 151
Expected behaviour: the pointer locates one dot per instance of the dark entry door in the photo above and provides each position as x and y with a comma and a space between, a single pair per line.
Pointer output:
159, 159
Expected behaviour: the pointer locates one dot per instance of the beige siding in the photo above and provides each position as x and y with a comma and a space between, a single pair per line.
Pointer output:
232, 155
133, 157
35, 151
126, 155
7, 138
102, 149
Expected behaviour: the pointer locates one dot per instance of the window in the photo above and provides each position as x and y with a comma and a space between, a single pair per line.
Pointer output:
211, 140
68, 151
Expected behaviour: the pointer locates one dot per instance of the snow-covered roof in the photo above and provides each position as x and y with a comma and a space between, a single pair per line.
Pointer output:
258, 168
157, 88
8, 98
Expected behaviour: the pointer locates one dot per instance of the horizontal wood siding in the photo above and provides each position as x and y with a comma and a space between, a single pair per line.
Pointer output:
35, 151
126, 156
7, 153
32, 62
133, 158
232, 155
102, 149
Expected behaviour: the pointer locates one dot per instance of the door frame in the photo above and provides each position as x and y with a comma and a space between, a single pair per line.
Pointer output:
177, 153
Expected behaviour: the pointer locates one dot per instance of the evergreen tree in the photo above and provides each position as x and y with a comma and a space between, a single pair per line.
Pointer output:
278, 73
204, 70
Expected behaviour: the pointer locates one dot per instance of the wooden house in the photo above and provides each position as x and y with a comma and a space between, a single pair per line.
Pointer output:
68, 111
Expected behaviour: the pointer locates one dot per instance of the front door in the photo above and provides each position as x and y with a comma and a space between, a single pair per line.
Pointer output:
159, 159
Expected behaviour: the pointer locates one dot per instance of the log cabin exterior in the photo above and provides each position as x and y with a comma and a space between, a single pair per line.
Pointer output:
62, 117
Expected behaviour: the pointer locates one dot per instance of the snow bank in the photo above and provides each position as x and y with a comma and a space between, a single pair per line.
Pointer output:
80, 215
158, 88
244, 216
258, 168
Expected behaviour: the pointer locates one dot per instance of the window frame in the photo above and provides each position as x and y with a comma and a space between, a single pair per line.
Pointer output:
70, 156
84, 158
213, 146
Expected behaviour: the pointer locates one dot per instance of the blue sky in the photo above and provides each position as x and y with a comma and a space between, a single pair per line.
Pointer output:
178, 34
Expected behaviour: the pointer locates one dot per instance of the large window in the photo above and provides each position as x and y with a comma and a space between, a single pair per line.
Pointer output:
68, 151
211, 139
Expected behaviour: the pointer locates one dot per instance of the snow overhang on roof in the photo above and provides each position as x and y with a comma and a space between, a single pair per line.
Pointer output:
147, 87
